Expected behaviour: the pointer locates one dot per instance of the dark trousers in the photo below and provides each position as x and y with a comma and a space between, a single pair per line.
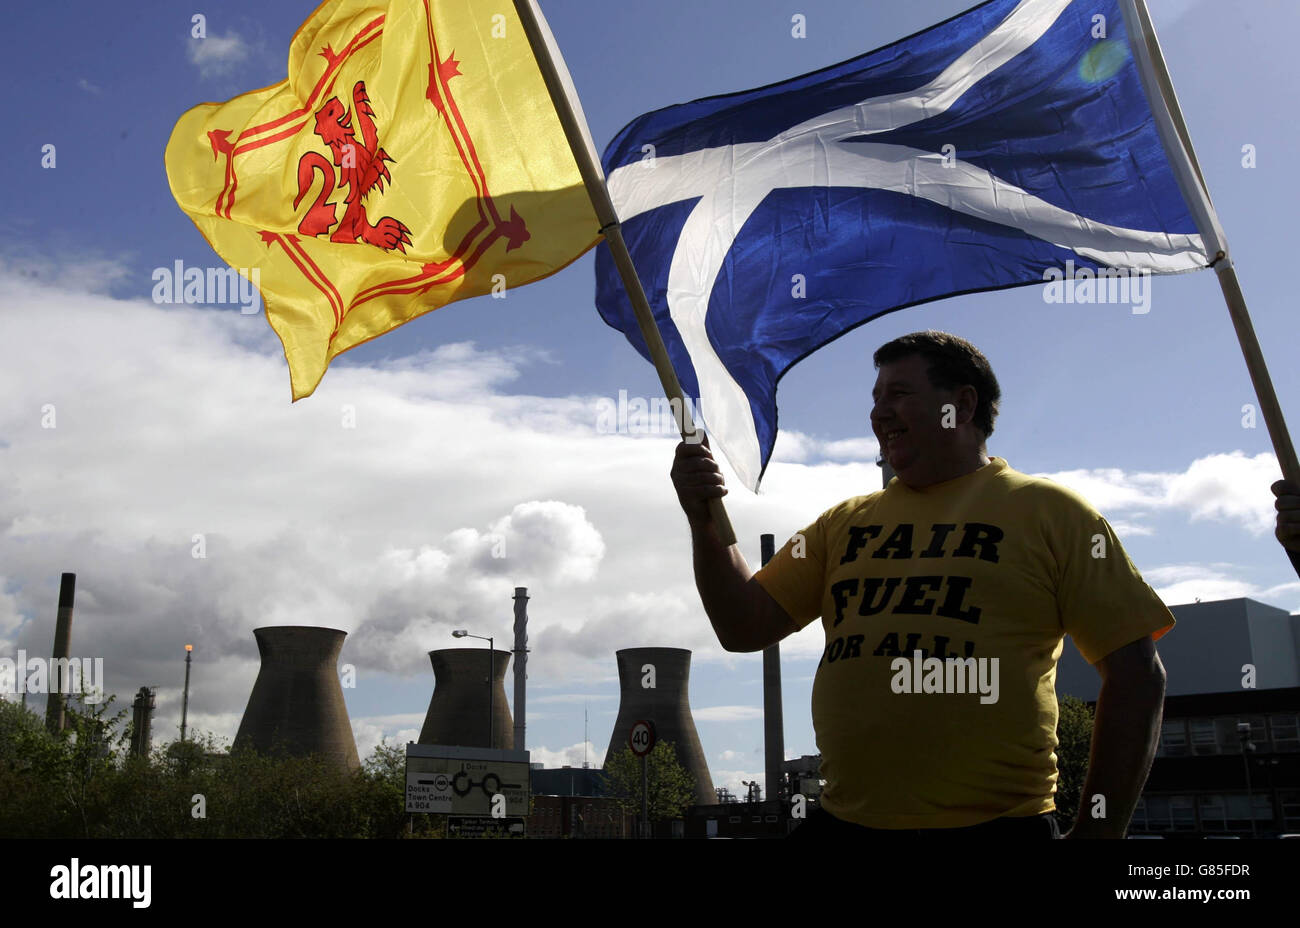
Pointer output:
820, 825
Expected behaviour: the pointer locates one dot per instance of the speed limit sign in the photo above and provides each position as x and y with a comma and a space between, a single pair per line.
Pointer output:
642, 739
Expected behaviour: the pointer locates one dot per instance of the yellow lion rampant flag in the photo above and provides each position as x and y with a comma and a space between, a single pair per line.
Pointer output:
412, 158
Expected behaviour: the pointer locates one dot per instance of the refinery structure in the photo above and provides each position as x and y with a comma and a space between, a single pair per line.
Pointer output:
1228, 761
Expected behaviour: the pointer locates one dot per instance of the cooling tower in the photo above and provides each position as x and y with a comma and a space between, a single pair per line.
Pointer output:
458, 711
666, 704
297, 702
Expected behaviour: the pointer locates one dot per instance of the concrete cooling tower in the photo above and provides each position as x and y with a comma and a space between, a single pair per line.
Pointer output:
297, 702
666, 704
458, 711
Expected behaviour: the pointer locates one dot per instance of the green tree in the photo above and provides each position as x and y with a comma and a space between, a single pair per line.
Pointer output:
1074, 734
96, 743
670, 786
82, 783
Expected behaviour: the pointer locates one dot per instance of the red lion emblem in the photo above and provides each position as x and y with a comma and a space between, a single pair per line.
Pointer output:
361, 170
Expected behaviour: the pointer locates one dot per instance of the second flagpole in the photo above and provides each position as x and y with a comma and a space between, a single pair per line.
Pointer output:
1178, 141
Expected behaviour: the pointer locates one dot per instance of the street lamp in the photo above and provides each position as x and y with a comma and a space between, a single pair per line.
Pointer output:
185, 700
492, 670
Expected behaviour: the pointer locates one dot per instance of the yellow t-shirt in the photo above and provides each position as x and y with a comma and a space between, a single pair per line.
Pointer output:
993, 564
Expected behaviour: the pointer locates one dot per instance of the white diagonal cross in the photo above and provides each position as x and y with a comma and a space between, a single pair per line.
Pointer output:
731, 181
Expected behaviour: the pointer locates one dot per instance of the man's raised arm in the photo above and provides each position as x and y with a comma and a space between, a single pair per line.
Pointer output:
744, 616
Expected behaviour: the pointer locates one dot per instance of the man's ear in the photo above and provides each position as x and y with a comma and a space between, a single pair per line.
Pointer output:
968, 399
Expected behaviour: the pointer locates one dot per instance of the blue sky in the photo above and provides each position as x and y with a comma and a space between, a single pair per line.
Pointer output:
477, 419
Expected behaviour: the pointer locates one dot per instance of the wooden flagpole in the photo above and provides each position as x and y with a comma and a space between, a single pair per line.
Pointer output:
1174, 134
564, 98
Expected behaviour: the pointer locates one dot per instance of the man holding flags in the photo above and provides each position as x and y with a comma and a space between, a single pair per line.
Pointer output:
999, 567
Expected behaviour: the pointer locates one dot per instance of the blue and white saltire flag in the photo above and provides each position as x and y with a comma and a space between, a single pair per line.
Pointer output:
972, 156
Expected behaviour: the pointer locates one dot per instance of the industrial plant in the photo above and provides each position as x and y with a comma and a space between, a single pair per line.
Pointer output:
1228, 761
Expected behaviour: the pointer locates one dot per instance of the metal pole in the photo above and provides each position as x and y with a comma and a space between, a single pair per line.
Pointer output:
645, 797
558, 84
492, 669
185, 699
1250, 800
1178, 145
773, 722
1260, 380
1243, 733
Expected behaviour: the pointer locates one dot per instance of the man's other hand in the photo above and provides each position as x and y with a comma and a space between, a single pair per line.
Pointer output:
697, 479
1288, 515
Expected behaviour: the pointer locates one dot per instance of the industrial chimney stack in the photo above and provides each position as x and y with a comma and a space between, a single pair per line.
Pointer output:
60, 684
665, 704
297, 702
521, 664
773, 721
458, 711
142, 722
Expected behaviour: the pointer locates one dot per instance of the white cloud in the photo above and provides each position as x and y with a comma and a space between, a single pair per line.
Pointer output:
88, 273
173, 421
571, 755
1230, 488
732, 779
1176, 584
218, 55
88, 86
369, 731
10, 620
727, 713
1125, 529
570, 698
794, 447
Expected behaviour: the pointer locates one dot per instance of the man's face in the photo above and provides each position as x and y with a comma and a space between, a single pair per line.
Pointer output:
907, 418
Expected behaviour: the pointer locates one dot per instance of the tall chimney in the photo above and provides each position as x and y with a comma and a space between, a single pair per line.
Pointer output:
666, 705
458, 710
62, 649
773, 721
142, 722
521, 664
297, 702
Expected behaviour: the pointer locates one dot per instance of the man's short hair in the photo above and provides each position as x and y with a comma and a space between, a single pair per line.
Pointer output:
953, 362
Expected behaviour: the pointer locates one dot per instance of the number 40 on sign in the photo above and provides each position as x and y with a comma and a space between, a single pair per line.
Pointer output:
642, 739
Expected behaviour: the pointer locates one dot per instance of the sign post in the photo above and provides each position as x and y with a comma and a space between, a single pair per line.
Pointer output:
642, 742
477, 789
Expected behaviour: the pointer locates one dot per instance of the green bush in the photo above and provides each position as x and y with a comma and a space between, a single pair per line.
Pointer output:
81, 783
